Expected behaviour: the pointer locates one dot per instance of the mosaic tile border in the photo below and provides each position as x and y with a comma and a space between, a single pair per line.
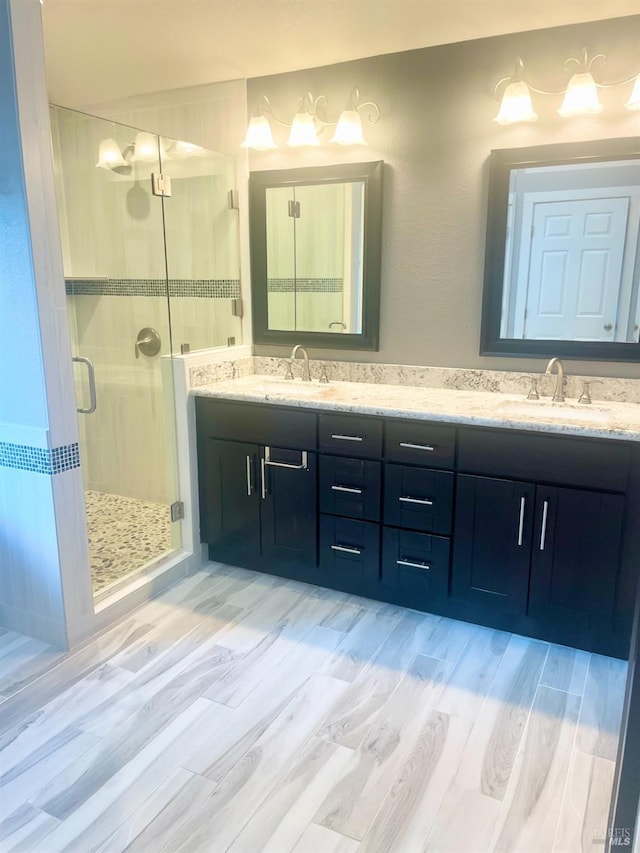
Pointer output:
304, 285
39, 459
207, 288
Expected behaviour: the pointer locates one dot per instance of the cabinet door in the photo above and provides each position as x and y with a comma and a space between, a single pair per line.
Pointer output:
231, 522
289, 507
492, 542
575, 558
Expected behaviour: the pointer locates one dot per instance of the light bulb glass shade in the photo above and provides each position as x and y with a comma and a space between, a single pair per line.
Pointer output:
259, 135
109, 155
349, 129
303, 131
634, 100
146, 147
516, 104
581, 97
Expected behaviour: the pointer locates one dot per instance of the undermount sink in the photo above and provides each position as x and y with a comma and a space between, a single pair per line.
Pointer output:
295, 387
547, 411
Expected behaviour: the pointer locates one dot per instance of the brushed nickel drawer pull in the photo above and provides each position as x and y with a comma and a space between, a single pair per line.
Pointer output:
346, 489
346, 437
422, 501
408, 444
304, 461
414, 565
521, 522
543, 532
346, 550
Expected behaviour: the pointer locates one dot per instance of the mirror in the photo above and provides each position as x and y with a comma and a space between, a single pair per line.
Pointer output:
562, 262
315, 255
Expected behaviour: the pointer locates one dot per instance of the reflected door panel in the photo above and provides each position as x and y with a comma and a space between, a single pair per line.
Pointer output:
575, 270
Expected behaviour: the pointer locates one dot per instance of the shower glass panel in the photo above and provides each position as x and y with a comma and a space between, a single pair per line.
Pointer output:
117, 297
203, 253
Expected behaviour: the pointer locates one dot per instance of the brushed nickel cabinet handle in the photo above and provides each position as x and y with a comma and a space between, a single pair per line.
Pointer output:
346, 549
348, 489
543, 532
263, 481
413, 564
249, 484
523, 501
422, 501
429, 447
303, 466
340, 437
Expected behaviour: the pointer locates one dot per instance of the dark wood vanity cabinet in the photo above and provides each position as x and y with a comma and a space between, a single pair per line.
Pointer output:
258, 501
550, 553
526, 532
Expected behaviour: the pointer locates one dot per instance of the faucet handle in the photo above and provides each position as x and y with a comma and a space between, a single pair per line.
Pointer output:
585, 394
324, 376
288, 374
533, 390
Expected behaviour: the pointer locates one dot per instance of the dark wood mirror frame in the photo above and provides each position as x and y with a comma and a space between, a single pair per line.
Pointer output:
501, 163
259, 182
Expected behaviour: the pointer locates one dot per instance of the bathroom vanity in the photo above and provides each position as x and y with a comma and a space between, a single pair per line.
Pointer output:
435, 500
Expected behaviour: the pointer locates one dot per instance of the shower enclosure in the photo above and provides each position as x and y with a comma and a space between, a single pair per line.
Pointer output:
151, 261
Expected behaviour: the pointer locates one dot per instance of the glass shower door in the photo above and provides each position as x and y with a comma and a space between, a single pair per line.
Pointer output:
202, 243
117, 298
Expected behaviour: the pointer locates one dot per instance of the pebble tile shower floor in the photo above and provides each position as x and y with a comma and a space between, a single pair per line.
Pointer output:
124, 534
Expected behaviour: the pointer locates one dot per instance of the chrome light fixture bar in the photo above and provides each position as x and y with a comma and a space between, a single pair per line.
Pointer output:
580, 94
309, 122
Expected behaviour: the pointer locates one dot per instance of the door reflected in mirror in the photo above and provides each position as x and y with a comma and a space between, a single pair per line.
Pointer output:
562, 262
316, 236
571, 254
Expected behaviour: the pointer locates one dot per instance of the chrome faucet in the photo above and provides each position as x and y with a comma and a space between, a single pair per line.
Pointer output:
558, 395
306, 375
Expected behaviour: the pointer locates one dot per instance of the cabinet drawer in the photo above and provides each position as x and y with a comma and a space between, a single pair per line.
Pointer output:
349, 550
420, 443
416, 564
418, 498
564, 461
349, 435
258, 424
350, 487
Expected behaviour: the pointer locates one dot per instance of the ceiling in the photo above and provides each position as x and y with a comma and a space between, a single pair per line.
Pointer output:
107, 50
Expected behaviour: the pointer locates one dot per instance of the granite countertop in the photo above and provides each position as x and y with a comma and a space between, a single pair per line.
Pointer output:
613, 420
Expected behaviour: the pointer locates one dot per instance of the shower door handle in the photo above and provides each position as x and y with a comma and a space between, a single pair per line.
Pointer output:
93, 400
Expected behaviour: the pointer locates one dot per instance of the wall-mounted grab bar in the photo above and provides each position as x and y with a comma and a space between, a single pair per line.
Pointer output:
93, 400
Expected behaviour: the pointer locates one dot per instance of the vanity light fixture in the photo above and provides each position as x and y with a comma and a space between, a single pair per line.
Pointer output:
309, 122
109, 155
145, 149
580, 95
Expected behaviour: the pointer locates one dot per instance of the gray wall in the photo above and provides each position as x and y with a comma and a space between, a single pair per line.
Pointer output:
435, 136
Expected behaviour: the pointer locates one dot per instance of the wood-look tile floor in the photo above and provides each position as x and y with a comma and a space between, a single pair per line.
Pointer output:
246, 713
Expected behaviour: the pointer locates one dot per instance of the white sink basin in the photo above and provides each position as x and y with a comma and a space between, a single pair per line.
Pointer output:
294, 387
546, 411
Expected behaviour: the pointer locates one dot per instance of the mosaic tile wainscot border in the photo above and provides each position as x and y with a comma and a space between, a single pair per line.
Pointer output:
39, 460
210, 288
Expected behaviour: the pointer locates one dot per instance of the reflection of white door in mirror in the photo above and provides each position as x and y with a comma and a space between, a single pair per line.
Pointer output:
571, 255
